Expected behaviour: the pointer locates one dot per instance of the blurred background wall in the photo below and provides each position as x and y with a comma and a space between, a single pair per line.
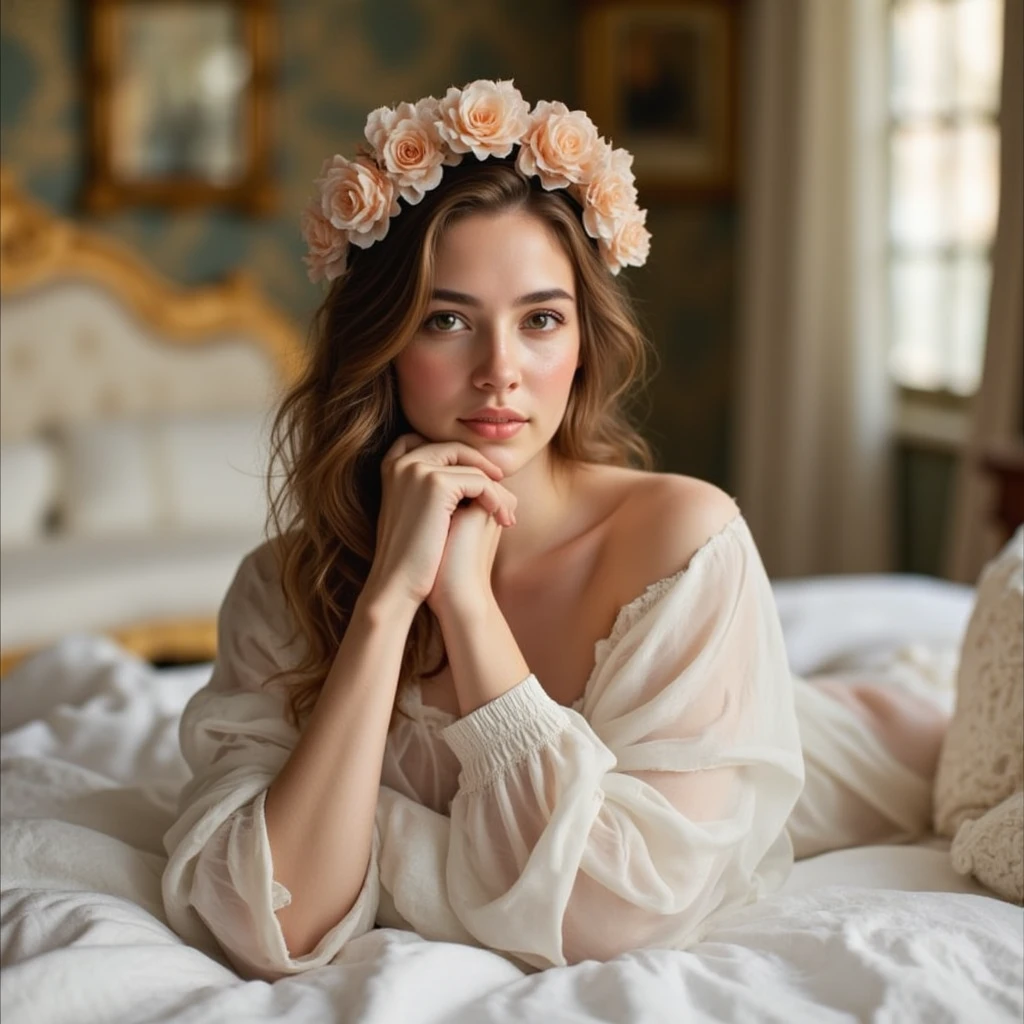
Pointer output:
338, 59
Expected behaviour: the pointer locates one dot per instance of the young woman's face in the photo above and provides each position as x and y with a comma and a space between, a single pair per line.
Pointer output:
493, 362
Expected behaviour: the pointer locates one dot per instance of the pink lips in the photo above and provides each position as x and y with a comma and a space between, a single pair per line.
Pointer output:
495, 430
495, 424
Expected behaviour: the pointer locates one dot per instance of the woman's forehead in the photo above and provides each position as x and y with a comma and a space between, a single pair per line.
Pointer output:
512, 252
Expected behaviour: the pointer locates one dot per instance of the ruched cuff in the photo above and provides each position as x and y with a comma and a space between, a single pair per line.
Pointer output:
503, 732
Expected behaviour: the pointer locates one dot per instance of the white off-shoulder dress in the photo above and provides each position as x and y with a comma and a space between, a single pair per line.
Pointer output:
671, 792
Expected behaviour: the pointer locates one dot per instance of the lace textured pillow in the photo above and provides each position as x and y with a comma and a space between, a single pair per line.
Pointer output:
981, 768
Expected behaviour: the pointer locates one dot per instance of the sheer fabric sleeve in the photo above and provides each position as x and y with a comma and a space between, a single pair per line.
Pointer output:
578, 836
235, 737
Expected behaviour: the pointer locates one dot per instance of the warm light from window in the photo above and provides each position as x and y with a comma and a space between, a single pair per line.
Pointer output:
945, 69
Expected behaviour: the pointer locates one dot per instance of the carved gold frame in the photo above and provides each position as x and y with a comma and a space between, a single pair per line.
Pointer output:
106, 190
37, 248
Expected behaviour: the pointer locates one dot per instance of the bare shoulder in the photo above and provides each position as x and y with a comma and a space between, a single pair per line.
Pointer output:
663, 520
668, 518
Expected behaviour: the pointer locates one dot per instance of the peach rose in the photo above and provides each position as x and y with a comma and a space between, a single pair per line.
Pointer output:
407, 144
561, 146
485, 118
328, 247
630, 244
610, 195
357, 197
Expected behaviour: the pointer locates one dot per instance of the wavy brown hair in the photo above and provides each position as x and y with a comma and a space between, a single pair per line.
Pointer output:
334, 426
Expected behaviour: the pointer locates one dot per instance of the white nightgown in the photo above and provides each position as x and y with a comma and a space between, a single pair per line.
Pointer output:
663, 798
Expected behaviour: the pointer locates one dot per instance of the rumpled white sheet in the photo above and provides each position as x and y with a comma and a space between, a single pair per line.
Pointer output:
90, 768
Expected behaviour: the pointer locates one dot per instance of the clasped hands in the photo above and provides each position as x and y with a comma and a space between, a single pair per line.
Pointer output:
443, 509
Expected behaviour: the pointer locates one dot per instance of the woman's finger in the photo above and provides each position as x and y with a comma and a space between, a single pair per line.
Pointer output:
403, 444
452, 453
491, 496
461, 478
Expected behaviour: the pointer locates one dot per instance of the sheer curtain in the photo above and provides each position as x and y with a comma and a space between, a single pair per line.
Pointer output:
996, 418
812, 445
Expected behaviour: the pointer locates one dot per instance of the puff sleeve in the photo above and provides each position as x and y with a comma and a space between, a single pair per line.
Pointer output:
235, 738
663, 803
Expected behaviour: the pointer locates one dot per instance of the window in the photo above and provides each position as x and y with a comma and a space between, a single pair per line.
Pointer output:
945, 73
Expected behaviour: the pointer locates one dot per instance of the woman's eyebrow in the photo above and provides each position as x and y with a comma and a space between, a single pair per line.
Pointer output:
447, 295
545, 296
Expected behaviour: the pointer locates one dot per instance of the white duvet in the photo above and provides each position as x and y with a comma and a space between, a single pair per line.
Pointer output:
90, 771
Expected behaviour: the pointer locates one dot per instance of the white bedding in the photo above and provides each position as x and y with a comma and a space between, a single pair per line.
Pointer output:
90, 769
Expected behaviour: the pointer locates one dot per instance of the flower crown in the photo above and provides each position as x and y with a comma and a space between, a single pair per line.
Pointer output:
410, 145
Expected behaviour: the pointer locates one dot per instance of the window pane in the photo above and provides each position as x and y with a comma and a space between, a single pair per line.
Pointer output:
918, 305
977, 183
945, 79
922, 167
972, 280
921, 82
978, 53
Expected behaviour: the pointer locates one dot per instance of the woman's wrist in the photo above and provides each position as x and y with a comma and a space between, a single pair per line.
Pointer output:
485, 659
468, 610
381, 603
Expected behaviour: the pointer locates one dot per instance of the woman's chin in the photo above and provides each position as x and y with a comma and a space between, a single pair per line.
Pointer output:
508, 459
509, 462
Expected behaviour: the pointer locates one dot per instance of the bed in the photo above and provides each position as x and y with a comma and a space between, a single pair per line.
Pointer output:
133, 435
90, 760
90, 772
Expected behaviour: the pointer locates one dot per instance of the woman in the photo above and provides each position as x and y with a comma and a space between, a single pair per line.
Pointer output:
491, 680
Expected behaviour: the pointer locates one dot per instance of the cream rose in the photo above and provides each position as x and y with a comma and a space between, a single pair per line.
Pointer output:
485, 118
407, 144
630, 245
357, 197
328, 247
561, 146
611, 194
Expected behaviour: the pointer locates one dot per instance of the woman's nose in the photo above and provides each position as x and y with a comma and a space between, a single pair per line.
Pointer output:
497, 368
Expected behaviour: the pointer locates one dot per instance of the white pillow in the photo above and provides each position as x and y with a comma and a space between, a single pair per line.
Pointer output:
178, 472
28, 487
215, 469
109, 480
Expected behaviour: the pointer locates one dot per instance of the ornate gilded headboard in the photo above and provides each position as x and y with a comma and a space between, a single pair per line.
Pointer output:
88, 331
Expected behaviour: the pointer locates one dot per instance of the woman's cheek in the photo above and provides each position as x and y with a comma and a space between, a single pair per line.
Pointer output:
425, 381
556, 378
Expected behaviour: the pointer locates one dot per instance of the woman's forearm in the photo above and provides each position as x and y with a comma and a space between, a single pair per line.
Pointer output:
320, 809
485, 659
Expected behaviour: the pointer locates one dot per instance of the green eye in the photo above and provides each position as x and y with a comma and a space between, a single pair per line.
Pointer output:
543, 321
444, 322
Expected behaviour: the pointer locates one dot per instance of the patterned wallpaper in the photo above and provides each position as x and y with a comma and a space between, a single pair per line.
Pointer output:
338, 59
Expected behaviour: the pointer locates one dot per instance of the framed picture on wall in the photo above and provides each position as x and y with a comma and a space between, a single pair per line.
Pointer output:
659, 78
179, 98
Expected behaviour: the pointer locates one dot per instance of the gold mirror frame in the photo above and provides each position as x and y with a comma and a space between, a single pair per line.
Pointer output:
107, 189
